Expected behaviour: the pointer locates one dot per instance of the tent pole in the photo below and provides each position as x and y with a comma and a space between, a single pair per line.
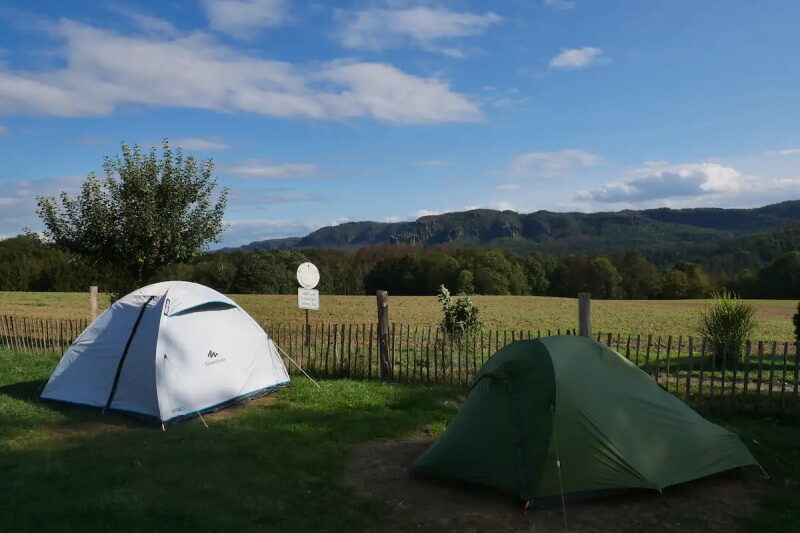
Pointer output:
558, 465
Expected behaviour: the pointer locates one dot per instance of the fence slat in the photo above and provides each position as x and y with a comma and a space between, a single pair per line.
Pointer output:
783, 374
436, 357
796, 368
772, 367
702, 366
690, 368
748, 348
428, 358
669, 349
678, 364
760, 366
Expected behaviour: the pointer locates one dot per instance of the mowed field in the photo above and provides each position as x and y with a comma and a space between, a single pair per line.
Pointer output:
657, 317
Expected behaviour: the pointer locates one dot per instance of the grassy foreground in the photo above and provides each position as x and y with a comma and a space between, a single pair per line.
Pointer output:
275, 464
657, 317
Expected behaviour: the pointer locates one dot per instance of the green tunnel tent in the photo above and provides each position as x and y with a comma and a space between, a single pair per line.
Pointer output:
575, 402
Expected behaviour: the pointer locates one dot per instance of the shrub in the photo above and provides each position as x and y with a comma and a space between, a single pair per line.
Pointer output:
796, 320
459, 316
727, 322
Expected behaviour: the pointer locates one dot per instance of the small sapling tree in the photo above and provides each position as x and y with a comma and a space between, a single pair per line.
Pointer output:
460, 316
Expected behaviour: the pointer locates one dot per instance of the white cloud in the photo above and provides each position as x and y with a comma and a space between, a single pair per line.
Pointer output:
691, 185
18, 200
788, 151
257, 169
201, 144
143, 21
243, 18
502, 206
392, 219
508, 187
424, 213
560, 4
385, 93
249, 198
431, 163
3, 131
195, 71
424, 27
551, 164
577, 58
245, 231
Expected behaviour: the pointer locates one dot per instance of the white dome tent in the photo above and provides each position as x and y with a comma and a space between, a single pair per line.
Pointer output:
168, 351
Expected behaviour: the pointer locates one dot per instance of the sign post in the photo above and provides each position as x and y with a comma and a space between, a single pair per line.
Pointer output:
307, 295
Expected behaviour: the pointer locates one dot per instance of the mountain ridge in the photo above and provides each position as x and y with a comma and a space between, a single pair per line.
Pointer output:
554, 232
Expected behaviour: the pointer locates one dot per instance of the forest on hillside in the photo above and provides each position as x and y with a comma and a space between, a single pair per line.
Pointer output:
28, 264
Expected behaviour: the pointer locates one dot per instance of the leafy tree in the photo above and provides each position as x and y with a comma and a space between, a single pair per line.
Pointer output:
781, 279
538, 269
495, 274
640, 277
148, 212
572, 275
398, 275
685, 280
674, 284
466, 282
606, 283
269, 272
28, 264
698, 283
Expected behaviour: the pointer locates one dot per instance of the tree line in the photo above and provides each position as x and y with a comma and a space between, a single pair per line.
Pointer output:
28, 264
153, 215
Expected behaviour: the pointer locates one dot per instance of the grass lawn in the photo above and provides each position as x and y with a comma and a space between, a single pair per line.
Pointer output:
275, 464
657, 317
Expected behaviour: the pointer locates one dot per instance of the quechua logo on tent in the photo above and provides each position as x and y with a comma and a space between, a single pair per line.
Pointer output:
214, 357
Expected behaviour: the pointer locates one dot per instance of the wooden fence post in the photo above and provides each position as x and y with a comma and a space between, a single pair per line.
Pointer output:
383, 334
584, 314
93, 302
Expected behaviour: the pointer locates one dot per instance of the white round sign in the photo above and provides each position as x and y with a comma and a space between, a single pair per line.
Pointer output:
307, 275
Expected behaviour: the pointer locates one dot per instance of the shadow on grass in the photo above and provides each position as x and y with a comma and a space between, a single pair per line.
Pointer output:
272, 465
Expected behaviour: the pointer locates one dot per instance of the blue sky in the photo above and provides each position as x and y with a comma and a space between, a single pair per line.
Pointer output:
321, 112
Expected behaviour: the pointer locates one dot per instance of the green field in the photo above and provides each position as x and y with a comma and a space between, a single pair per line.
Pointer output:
279, 463
657, 317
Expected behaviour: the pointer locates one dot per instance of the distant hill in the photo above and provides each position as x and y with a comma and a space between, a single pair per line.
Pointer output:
659, 232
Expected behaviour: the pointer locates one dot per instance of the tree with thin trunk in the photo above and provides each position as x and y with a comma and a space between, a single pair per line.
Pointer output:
150, 210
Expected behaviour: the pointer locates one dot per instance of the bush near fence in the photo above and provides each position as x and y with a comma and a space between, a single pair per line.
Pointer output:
766, 381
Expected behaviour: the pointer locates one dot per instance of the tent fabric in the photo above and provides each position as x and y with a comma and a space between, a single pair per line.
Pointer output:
167, 351
574, 401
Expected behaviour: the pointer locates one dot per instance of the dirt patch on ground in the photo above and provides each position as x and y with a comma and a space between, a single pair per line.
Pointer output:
379, 470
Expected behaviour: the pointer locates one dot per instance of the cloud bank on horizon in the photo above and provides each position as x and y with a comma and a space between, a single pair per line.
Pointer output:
317, 113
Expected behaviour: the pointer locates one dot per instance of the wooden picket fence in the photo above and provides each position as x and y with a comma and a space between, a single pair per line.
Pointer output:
39, 335
765, 379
